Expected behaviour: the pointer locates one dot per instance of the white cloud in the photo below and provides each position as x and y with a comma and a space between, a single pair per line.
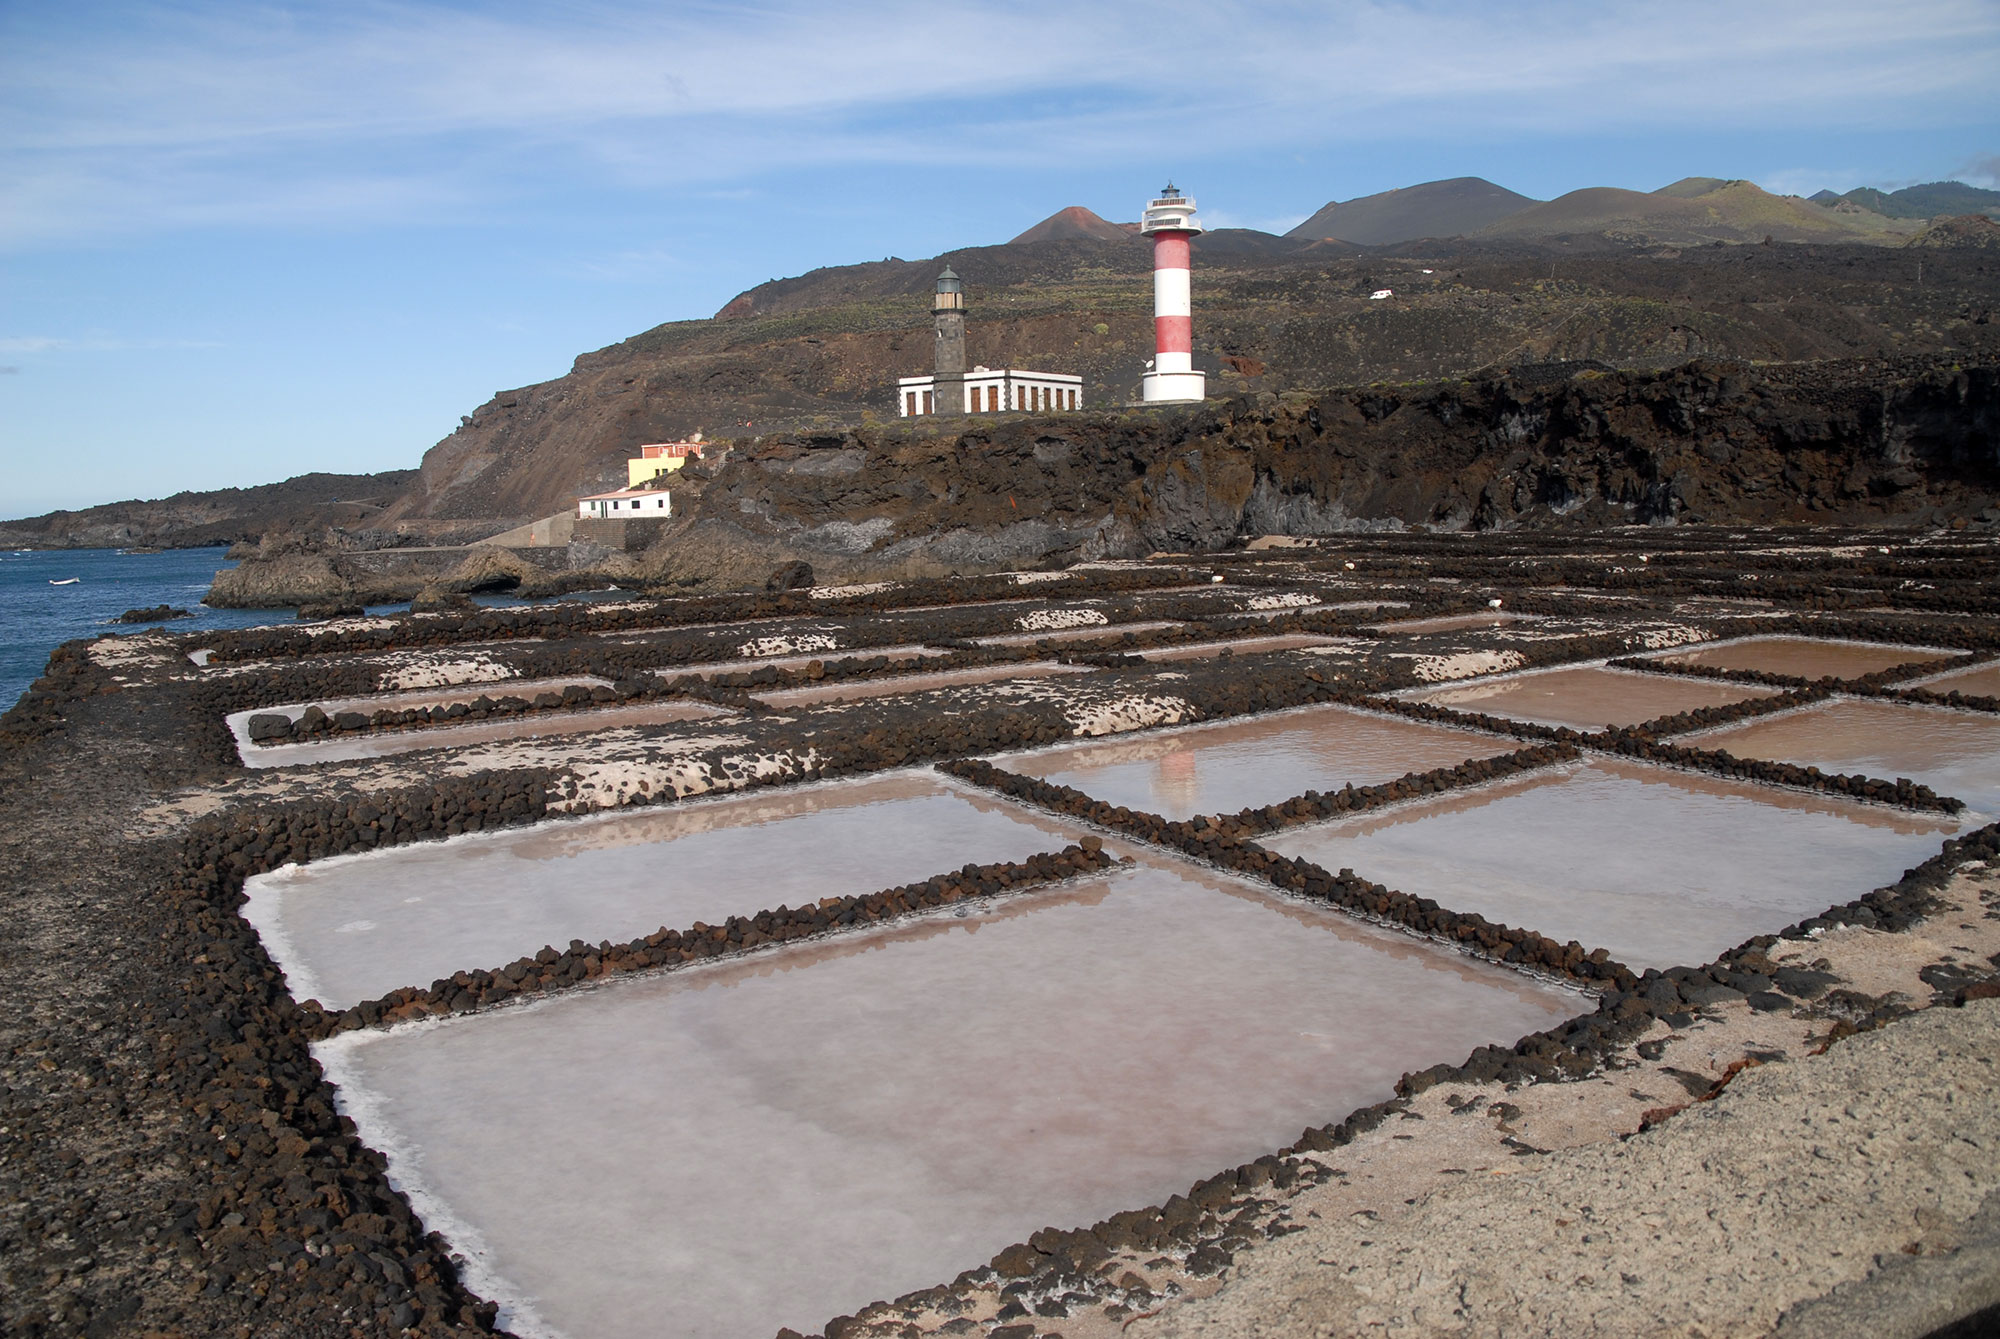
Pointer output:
96, 344
205, 115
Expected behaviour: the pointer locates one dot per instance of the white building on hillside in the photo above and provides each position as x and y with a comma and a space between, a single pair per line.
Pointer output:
625, 505
995, 391
951, 390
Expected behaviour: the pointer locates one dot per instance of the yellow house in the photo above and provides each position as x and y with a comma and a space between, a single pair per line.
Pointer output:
660, 458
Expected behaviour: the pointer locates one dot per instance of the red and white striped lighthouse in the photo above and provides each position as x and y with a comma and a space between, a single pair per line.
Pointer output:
1171, 223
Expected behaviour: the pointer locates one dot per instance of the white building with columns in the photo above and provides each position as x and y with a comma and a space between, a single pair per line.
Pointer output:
950, 389
995, 391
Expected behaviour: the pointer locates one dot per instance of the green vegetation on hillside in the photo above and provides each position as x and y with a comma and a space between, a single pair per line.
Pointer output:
1919, 202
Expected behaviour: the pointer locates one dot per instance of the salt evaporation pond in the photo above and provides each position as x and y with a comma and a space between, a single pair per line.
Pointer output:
1586, 697
1663, 868
441, 696
785, 1138
345, 747
1979, 681
353, 928
1953, 752
1804, 657
854, 689
1232, 765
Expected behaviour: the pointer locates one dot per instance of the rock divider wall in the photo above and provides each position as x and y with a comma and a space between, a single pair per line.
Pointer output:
1859, 683
1704, 718
575, 619
551, 969
316, 723
633, 682
288, 1178
1925, 697
1638, 742
1902, 792
1828, 582
1225, 843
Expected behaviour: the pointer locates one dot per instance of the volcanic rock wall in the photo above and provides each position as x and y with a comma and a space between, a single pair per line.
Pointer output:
1907, 444
1705, 442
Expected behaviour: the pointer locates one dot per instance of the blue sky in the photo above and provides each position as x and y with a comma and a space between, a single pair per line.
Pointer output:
242, 241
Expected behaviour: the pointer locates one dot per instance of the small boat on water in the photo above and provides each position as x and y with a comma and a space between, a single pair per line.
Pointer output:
66, 581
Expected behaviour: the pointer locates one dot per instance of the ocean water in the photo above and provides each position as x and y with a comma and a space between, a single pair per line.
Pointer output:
36, 617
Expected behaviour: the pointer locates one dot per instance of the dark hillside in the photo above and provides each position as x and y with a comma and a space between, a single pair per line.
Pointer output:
1920, 202
1835, 443
1449, 208
822, 351
222, 516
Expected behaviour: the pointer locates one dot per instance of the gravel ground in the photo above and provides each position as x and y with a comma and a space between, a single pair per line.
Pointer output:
1798, 1178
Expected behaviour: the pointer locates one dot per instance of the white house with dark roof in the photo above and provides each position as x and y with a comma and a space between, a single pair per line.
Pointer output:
626, 504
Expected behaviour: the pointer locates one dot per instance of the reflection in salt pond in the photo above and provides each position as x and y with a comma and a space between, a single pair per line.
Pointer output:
1586, 698
1233, 765
1955, 753
356, 927
1805, 657
779, 1140
1663, 868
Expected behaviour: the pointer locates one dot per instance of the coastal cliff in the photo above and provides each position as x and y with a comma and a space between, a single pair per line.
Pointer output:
1869, 443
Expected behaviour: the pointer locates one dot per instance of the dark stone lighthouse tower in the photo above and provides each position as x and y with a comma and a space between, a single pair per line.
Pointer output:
948, 308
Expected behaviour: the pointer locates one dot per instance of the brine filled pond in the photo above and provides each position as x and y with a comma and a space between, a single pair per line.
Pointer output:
1232, 765
1664, 868
1955, 753
356, 927
776, 1140
1979, 681
1586, 697
1803, 657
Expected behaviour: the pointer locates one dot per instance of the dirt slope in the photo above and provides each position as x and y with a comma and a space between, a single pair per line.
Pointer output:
1076, 221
